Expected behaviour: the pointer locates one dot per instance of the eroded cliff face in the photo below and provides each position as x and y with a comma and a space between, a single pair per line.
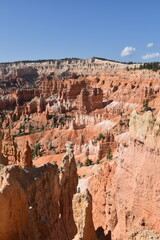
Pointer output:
23, 209
70, 98
132, 199
31, 202
100, 187
88, 102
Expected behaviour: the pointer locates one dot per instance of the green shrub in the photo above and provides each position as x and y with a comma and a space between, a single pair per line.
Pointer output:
79, 164
36, 150
30, 128
155, 66
88, 162
101, 136
98, 161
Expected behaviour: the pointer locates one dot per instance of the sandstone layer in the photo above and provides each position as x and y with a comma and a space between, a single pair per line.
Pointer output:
110, 112
131, 201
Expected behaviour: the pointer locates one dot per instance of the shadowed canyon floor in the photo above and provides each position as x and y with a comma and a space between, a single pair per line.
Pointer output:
79, 151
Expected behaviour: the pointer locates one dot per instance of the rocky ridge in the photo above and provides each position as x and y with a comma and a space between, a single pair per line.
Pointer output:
131, 201
32, 202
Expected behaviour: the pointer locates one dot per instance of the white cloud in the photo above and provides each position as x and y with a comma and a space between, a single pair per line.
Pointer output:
151, 55
149, 45
127, 51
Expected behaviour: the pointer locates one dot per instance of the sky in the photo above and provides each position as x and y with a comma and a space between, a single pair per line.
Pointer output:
121, 30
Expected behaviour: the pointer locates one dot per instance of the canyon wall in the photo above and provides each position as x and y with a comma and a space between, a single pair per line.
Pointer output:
109, 111
36, 204
130, 198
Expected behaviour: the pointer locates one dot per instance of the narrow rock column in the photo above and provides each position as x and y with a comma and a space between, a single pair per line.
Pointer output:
82, 211
27, 156
69, 182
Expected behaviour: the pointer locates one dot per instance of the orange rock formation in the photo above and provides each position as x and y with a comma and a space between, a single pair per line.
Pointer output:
38, 202
110, 112
82, 209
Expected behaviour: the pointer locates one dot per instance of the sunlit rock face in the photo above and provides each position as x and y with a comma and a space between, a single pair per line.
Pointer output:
82, 210
109, 111
130, 198
36, 203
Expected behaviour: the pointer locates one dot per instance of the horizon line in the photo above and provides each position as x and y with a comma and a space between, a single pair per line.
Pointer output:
73, 58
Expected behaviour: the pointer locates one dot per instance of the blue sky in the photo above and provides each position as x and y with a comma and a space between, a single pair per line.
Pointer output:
50, 29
